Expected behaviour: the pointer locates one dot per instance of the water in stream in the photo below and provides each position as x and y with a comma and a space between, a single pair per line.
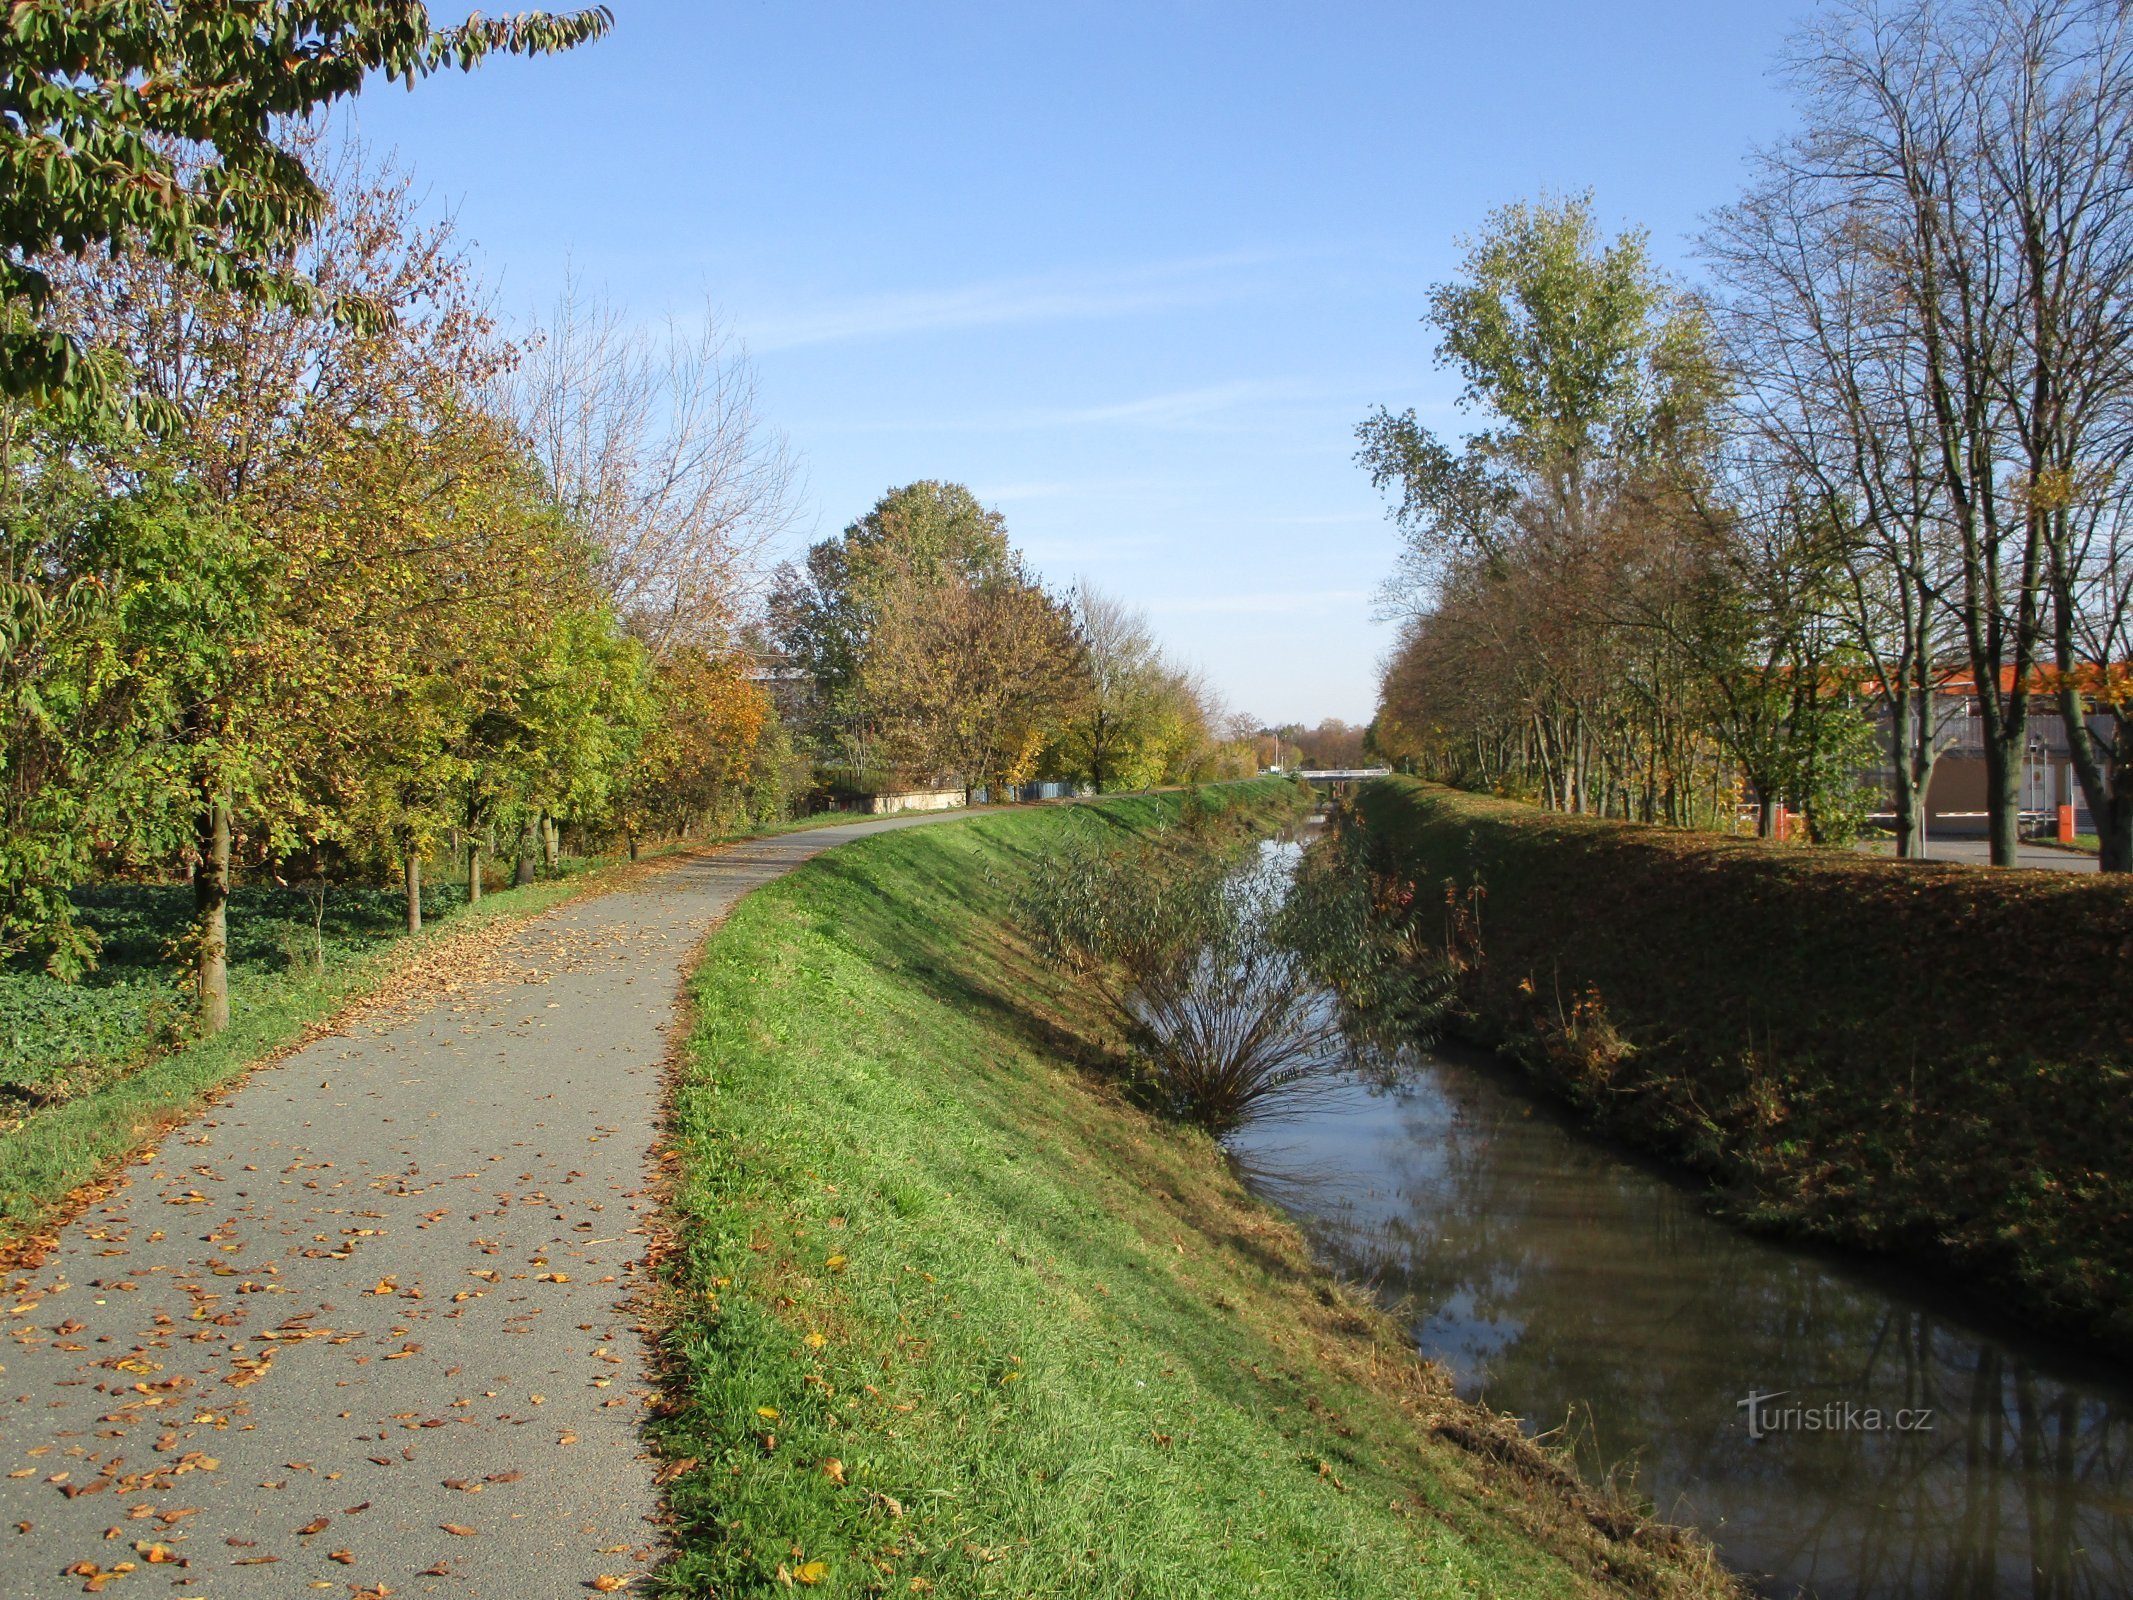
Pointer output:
1908, 1446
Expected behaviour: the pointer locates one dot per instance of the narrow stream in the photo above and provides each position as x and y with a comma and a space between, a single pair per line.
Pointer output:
1909, 1446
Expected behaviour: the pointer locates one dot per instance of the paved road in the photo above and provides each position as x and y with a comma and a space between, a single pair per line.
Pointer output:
368, 1321
1977, 853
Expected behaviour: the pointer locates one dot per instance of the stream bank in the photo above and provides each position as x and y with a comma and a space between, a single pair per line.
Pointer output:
944, 1305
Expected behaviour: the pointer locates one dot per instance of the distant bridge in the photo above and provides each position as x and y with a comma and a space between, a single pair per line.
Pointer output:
1338, 778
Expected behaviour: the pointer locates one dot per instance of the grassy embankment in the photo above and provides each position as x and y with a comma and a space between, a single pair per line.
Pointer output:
90, 1070
950, 1315
1928, 1060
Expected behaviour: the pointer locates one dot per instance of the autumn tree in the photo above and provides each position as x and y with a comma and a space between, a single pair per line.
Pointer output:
343, 454
1594, 380
1139, 720
824, 612
969, 676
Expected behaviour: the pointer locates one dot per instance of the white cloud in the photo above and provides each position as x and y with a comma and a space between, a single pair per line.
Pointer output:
1290, 603
1006, 302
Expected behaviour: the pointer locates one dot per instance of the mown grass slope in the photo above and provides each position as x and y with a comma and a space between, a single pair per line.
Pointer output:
950, 1316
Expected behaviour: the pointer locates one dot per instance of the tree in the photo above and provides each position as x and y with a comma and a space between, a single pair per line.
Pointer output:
371, 494
970, 677
1599, 382
822, 616
163, 127
1822, 335
700, 753
118, 586
654, 447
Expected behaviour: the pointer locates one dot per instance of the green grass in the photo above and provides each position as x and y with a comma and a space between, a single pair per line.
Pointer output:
57, 1038
949, 1315
89, 1071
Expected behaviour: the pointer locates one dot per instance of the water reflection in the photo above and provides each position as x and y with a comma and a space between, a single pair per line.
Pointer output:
1578, 1290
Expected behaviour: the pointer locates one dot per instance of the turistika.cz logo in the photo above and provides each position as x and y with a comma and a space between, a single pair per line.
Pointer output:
1832, 1416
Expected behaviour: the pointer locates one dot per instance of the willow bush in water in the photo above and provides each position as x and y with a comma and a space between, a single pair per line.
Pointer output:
1178, 942
1236, 992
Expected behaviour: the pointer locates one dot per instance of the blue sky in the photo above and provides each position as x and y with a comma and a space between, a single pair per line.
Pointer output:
1133, 272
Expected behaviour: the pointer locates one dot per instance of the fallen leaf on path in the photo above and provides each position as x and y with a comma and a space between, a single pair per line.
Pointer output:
608, 1583
315, 1525
460, 1529
345, 1557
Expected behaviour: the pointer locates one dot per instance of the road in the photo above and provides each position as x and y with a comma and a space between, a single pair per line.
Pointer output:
1977, 853
370, 1323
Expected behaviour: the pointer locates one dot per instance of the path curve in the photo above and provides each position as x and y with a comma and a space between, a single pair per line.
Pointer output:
368, 1319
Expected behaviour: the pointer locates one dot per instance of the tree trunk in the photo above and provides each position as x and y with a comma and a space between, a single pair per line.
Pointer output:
211, 902
633, 843
1910, 804
2114, 824
2003, 800
528, 851
551, 841
411, 885
1766, 815
473, 868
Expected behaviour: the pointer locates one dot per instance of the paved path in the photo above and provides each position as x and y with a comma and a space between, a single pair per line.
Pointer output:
366, 1325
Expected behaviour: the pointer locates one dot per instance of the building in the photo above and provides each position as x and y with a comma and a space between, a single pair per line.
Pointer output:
1955, 798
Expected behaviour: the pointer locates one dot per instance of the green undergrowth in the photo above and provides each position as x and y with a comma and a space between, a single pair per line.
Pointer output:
89, 1070
950, 1315
1918, 1058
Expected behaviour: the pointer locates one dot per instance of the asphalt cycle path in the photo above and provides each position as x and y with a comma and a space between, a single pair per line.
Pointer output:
366, 1325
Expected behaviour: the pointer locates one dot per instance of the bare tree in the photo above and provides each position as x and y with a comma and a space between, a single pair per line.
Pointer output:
1967, 165
1822, 341
1122, 665
654, 445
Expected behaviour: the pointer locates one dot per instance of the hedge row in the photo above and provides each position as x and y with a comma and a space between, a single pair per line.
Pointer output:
1916, 1058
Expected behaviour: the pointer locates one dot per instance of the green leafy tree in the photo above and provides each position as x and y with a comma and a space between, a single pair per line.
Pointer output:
164, 125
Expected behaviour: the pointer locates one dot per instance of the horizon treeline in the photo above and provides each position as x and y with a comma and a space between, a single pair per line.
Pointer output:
1744, 538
